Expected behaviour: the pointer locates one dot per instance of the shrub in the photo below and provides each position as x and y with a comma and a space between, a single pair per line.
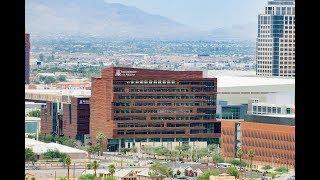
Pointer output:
206, 175
282, 169
233, 171
266, 167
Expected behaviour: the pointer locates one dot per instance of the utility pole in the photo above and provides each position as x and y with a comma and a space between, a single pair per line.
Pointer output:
55, 175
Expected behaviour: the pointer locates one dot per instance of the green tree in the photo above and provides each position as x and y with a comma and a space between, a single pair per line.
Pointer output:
88, 177
217, 158
237, 162
239, 155
95, 166
251, 155
158, 169
67, 161
110, 178
30, 156
206, 175
35, 113
282, 169
62, 78
112, 169
233, 171
266, 167
101, 138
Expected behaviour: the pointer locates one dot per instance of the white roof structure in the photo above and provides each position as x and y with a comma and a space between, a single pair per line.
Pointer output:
122, 173
238, 81
28, 118
39, 147
99, 171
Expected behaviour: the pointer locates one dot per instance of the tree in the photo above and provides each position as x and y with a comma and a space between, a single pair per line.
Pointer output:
100, 138
266, 167
217, 158
159, 169
206, 175
34, 113
67, 161
239, 155
62, 78
233, 171
282, 169
112, 169
95, 166
30, 155
88, 177
90, 149
251, 155
110, 178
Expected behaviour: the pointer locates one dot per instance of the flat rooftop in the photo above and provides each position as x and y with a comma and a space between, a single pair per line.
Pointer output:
62, 92
240, 81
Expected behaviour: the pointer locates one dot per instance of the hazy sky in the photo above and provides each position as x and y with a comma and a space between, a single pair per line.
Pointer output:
202, 14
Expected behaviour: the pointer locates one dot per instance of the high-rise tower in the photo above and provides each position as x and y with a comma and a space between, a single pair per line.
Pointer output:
275, 50
27, 58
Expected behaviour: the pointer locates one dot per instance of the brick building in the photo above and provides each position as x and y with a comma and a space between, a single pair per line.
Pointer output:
133, 105
273, 143
69, 119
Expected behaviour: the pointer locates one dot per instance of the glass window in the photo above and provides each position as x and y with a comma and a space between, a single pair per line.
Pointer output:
269, 109
279, 110
274, 110
288, 110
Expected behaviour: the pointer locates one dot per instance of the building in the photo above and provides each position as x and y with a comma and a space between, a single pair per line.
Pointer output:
275, 52
228, 111
238, 89
132, 105
39, 148
272, 137
66, 112
27, 58
67, 119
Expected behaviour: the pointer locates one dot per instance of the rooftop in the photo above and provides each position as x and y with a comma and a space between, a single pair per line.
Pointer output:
39, 147
240, 81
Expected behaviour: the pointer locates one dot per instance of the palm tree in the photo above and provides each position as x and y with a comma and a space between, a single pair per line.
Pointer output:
251, 155
112, 169
95, 166
240, 154
67, 161
100, 139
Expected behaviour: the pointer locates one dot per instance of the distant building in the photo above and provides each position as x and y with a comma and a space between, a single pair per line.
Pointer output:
27, 58
275, 47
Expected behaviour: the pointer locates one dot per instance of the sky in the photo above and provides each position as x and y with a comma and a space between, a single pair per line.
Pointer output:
202, 14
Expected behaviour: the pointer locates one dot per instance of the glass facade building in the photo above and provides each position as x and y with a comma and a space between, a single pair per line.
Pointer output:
275, 48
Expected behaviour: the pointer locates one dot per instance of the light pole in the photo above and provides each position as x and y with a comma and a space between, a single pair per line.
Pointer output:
74, 169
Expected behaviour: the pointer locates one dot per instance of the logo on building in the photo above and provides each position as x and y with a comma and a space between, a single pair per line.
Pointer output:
83, 101
125, 73
118, 72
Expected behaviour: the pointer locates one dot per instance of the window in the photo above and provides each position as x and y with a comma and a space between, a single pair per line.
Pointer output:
269, 109
274, 110
278, 110
288, 110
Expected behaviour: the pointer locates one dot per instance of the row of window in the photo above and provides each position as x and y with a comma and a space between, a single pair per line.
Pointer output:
268, 144
149, 132
185, 118
170, 82
164, 103
205, 97
270, 136
117, 111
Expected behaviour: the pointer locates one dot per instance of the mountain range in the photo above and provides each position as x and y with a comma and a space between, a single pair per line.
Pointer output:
102, 19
